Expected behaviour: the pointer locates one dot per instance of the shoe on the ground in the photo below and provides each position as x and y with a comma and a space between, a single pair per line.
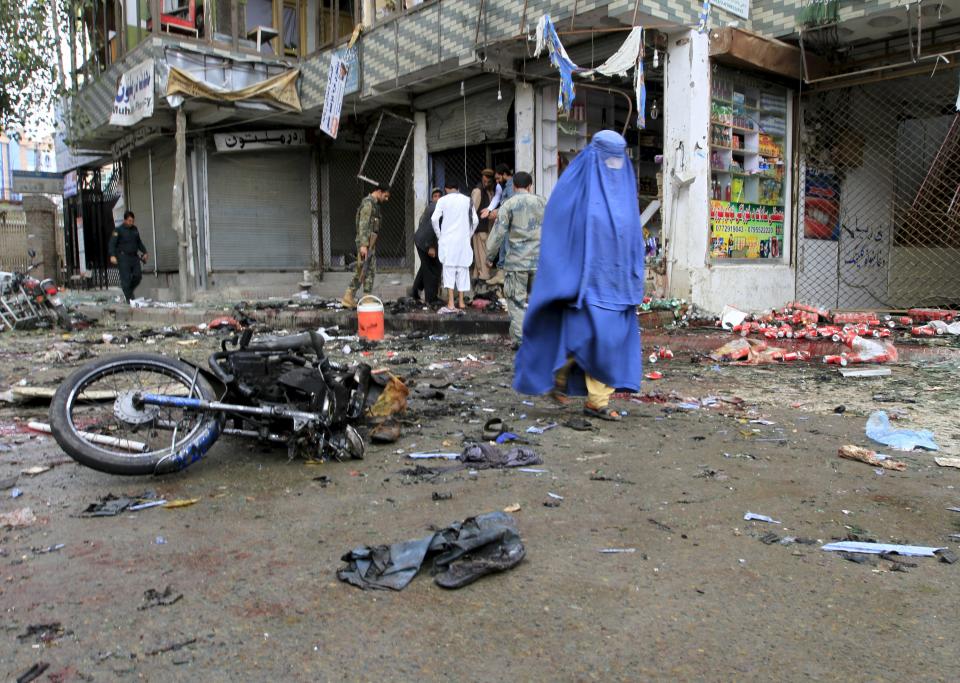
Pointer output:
602, 413
558, 397
348, 300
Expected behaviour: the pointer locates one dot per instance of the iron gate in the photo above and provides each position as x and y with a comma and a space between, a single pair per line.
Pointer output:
880, 203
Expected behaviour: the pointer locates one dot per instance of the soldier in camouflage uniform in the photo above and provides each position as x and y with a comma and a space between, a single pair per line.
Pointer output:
519, 220
368, 229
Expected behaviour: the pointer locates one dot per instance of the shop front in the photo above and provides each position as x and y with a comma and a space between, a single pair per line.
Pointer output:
728, 169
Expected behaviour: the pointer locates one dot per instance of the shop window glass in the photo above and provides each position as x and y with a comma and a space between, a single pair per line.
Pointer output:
748, 159
292, 26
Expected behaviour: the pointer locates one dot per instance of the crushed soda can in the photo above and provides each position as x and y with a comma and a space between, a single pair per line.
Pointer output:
796, 355
660, 353
925, 331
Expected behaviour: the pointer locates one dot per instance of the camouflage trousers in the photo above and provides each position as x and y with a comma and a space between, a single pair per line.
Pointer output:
516, 288
367, 277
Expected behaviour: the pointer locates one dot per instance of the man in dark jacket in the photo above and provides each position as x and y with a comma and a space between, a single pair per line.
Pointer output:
127, 253
425, 239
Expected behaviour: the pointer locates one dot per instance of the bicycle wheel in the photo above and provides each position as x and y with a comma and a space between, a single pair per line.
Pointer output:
97, 418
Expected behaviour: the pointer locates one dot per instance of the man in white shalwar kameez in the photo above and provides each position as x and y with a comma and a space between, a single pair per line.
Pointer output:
455, 253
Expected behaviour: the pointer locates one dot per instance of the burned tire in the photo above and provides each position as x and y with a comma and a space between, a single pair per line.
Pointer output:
98, 420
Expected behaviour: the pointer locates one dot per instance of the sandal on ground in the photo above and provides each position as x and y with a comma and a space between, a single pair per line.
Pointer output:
578, 424
602, 413
559, 398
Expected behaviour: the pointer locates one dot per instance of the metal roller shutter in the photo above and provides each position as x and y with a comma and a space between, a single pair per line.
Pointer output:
260, 211
164, 248
487, 119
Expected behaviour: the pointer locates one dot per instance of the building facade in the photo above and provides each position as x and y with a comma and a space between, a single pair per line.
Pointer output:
768, 192
22, 154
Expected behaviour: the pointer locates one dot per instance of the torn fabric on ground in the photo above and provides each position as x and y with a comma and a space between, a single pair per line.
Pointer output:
461, 553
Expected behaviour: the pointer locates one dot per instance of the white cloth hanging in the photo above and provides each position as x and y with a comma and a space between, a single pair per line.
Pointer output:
624, 59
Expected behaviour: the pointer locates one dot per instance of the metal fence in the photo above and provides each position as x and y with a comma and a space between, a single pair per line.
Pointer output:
13, 242
880, 194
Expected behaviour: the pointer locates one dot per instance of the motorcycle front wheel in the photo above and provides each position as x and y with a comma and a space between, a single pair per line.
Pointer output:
98, 419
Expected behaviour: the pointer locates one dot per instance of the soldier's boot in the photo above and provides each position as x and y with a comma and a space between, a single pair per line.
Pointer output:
497, 279
348, 300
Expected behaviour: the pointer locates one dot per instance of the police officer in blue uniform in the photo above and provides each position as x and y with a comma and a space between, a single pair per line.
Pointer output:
127, 253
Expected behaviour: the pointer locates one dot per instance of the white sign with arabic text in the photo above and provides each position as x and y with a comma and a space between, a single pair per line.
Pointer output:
134, 97
259, 139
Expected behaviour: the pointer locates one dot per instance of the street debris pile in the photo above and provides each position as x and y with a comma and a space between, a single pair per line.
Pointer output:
867, 336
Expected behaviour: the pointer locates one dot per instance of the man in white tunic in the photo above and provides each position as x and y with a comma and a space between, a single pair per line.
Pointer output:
459, 223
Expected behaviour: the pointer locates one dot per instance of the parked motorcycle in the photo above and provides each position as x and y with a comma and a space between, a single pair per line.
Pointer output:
25, 301
144, 413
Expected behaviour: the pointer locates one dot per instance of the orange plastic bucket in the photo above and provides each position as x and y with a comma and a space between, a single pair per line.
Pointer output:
370, 318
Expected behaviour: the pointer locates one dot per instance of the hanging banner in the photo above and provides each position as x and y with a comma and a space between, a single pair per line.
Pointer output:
259, 139
745, 231
333, 97
134, 97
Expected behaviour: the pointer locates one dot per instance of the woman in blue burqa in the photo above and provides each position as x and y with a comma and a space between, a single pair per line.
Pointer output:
580, 334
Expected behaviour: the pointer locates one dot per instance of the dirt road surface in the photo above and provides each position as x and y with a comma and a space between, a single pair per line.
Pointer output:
699, 597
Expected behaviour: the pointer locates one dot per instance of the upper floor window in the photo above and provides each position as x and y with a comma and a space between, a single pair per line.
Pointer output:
336, 21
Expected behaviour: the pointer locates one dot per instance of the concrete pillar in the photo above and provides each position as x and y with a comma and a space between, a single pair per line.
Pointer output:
686, 161
41, 234
421, 179
545, 148
523, 105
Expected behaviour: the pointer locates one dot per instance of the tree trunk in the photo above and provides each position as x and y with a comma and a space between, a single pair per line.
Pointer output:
179, 207
55, 21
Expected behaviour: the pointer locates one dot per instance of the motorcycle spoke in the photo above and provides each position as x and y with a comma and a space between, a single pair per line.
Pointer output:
104, 405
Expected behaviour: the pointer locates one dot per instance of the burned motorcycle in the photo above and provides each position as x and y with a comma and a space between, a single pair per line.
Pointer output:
143, 413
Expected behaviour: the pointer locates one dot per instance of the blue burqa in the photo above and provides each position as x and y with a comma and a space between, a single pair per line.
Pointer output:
589, 278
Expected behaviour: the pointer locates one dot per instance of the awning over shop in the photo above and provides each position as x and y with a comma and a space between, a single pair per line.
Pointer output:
739, 48
279, 90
